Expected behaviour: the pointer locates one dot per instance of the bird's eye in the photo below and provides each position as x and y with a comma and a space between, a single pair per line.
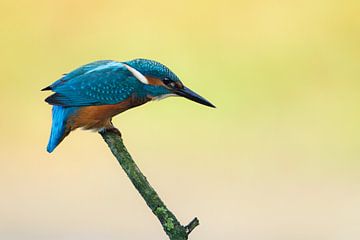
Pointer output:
169, 83
166, 81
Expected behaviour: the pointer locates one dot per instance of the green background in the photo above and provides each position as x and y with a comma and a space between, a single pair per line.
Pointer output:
277, 159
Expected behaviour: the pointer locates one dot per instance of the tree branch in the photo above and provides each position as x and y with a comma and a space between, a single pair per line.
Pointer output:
170, 224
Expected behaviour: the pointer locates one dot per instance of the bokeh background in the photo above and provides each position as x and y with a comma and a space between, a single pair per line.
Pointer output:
278, 158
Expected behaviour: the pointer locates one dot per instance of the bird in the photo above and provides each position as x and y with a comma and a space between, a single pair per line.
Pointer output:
91, 95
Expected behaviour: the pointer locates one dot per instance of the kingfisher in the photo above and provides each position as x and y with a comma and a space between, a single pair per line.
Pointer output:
91, 95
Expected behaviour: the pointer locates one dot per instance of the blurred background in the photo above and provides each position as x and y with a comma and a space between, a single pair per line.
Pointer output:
278, 158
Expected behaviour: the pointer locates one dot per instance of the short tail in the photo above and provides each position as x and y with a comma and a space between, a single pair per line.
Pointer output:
59, 130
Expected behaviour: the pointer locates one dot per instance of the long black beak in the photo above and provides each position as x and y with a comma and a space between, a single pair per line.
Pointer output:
193, 96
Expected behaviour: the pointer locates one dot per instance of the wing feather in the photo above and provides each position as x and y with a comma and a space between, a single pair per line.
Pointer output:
98, 83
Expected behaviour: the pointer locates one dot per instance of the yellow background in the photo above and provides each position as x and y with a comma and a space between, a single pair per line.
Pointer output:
278, 158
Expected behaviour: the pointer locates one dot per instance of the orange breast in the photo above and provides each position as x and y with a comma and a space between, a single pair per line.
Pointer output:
95, 117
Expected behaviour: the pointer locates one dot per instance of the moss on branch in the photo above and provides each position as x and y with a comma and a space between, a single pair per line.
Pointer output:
169, 222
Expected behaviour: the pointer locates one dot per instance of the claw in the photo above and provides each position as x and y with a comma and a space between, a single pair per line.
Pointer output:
112, 129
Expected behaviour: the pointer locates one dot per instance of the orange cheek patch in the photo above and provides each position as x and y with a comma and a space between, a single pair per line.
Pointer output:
155, 81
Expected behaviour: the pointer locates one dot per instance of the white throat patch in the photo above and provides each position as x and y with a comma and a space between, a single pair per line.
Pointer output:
137, 74
158, 98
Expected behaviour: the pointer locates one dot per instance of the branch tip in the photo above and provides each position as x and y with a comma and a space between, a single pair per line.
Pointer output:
192, 225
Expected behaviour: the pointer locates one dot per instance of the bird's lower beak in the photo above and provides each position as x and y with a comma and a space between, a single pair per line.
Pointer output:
193, 96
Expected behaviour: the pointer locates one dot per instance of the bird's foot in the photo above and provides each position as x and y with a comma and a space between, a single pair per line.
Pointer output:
112, 129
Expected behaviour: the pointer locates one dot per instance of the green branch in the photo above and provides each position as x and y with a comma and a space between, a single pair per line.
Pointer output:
170, 224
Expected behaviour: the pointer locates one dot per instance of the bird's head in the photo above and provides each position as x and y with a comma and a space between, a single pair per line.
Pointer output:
162, 81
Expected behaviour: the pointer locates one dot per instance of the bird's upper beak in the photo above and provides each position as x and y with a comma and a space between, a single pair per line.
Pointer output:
193, 96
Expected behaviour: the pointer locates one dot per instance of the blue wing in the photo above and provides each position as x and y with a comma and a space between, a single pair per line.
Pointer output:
97, 83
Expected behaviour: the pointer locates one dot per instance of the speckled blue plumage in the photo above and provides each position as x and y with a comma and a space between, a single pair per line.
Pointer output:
98, 83
152, 68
